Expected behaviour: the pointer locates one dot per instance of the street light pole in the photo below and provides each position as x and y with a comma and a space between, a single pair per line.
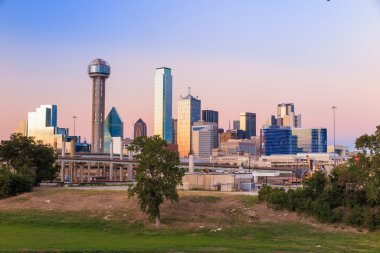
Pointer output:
74, 117
334, 108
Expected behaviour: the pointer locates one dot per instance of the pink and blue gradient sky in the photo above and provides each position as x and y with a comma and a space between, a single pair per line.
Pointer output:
237, 55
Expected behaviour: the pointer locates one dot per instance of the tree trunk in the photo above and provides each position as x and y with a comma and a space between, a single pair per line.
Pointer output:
158, 219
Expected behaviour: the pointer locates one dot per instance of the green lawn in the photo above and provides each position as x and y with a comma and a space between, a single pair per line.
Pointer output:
38, 231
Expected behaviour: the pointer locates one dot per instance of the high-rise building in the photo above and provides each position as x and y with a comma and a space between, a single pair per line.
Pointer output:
42, 125
99, 71
277, 140
235, 134
140, 129
113, 127
212, 117
236, 124
174, 135
163, 104
189, 111
286, 140
202, 140
311, 140
248, 124
285, 117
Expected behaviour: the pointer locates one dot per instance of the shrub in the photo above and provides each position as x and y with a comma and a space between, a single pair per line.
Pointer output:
12, 183
370, 220
355, 217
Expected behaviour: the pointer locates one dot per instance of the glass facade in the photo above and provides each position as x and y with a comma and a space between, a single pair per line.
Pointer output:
203, 139
286, 140
312, 140
113, 127
277, 140
189, 111
42, 125
212, 117
248, 124
163, 104
140, 129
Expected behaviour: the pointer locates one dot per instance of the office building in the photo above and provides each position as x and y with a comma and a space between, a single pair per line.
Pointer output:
248, 124
163, 104
234, 134
278, 140
202, 140
311, 140
98, 70
189, 111
139, 129
113, 127
286, 140
174, 135
236, 124
212, 117
42, 125
234, 146
285, 117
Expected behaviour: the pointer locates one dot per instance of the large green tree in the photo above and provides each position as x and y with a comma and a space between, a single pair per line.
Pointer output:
367, 166
158, 175
22, 152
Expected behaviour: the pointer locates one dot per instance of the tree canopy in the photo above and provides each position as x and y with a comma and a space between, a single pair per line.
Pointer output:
158, 175
22, 152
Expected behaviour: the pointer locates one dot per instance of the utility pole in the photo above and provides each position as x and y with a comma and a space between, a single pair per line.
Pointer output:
74, 117
333, 109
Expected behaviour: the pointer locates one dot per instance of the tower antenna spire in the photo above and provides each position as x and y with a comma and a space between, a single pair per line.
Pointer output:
189, 91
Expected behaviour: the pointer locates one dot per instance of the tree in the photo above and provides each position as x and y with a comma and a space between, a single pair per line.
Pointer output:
158, 175
367, 165
22, 152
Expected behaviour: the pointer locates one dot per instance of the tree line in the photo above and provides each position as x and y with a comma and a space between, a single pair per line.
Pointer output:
349, 194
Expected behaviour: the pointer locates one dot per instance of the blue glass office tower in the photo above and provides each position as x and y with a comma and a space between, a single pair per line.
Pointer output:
278, 140
286, 140
163, 90
99, 71
113, 127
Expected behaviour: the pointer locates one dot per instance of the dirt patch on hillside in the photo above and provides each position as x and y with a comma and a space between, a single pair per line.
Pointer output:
194, 210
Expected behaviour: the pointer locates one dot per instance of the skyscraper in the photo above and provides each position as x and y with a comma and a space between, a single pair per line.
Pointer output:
189, 111
99, 71
174, 135
236, 124
202, 136
248, 124
140, 129
163, 104
212, 117
113, 127
42, 125
285, 116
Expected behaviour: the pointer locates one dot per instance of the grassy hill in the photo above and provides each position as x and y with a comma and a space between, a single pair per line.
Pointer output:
90, 220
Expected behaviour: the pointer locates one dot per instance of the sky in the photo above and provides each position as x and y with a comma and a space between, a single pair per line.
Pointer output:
236, 55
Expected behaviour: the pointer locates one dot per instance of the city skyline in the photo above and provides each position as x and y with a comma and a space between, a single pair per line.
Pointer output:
329, 60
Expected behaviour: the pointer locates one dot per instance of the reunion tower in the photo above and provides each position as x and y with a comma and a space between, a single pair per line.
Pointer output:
98, 70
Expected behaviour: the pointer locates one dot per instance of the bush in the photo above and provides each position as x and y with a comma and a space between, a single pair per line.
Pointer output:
12, 183
355, 217
370, 220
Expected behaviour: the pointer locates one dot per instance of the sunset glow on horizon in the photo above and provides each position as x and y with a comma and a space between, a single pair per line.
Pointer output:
237, 56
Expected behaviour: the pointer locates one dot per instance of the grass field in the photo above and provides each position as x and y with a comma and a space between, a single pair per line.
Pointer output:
39, 230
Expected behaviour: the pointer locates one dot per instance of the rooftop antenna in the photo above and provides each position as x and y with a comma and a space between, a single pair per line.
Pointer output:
189, 91
229, 124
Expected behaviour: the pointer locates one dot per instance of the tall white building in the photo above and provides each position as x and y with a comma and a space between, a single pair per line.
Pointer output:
163, 90
285, 117
203, 140
189, 111
42, 125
